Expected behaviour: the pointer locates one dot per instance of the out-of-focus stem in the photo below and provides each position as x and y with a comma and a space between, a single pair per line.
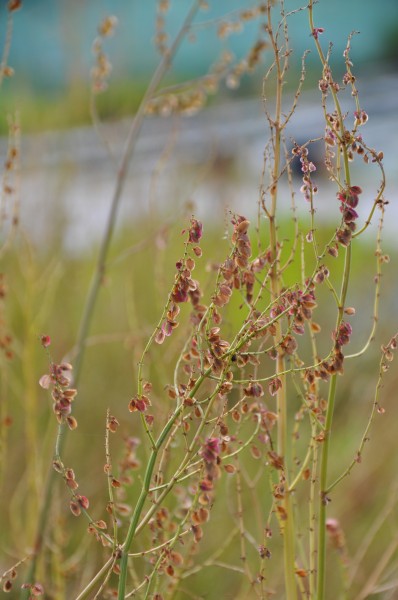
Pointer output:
333, 380
287, 523
99, 271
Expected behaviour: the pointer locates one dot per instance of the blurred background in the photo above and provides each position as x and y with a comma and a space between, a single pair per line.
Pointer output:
52, 54
206, 161
52, 47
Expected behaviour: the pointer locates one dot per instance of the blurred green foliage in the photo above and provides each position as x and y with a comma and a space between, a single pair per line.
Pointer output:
46, 293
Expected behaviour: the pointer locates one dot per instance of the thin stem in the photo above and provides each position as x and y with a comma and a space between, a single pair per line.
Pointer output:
134, 523
333, 381
99, 271
287, 524
378, 570
365, 436
163, 67
140, 503
7, 46
101, 573
323, 486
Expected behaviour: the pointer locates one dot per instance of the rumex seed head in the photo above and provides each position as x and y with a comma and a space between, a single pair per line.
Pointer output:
112, 424
195, 231
14, 5
75, 508
83, 501
45, 341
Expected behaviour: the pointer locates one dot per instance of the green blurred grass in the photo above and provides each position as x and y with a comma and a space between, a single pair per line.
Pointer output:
43, 109
46, 294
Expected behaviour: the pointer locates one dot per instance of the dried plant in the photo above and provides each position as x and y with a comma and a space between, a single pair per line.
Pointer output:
250, 403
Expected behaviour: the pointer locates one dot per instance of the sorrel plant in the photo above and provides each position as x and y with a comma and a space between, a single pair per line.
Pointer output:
256, 378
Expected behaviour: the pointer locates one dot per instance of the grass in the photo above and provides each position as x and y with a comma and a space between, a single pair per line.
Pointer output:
64, 108
210, 439
123, 319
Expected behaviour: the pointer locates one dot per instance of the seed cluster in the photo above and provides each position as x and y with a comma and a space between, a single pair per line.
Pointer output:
59, 379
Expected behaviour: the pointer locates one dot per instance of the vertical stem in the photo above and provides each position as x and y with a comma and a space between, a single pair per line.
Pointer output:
326, 445
333, 381
287, 525
132, 137
134, 523
312, 518
323, 484
99, 271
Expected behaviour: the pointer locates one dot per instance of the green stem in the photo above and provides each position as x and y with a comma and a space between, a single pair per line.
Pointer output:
145, 490
96, 282
287, 524
140, 504
323, 486
95, 581
326, 443
333, 382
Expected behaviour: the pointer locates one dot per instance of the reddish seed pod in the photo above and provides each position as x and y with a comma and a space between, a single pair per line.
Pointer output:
112, 424
45, 341
37, 589
83, 501
14, 5
176, 558
255, 452
203, 514
101, 524
195, 518
72, 484
236, 416
243, 226
206, 485
57, 466
75, 508
159, 339
69, 474
190, 263
72, 423
149, 419
230, 468
45, 381
195, 231
197, 532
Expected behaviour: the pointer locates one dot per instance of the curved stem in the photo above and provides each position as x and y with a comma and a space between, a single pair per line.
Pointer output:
99, 271
134, 523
